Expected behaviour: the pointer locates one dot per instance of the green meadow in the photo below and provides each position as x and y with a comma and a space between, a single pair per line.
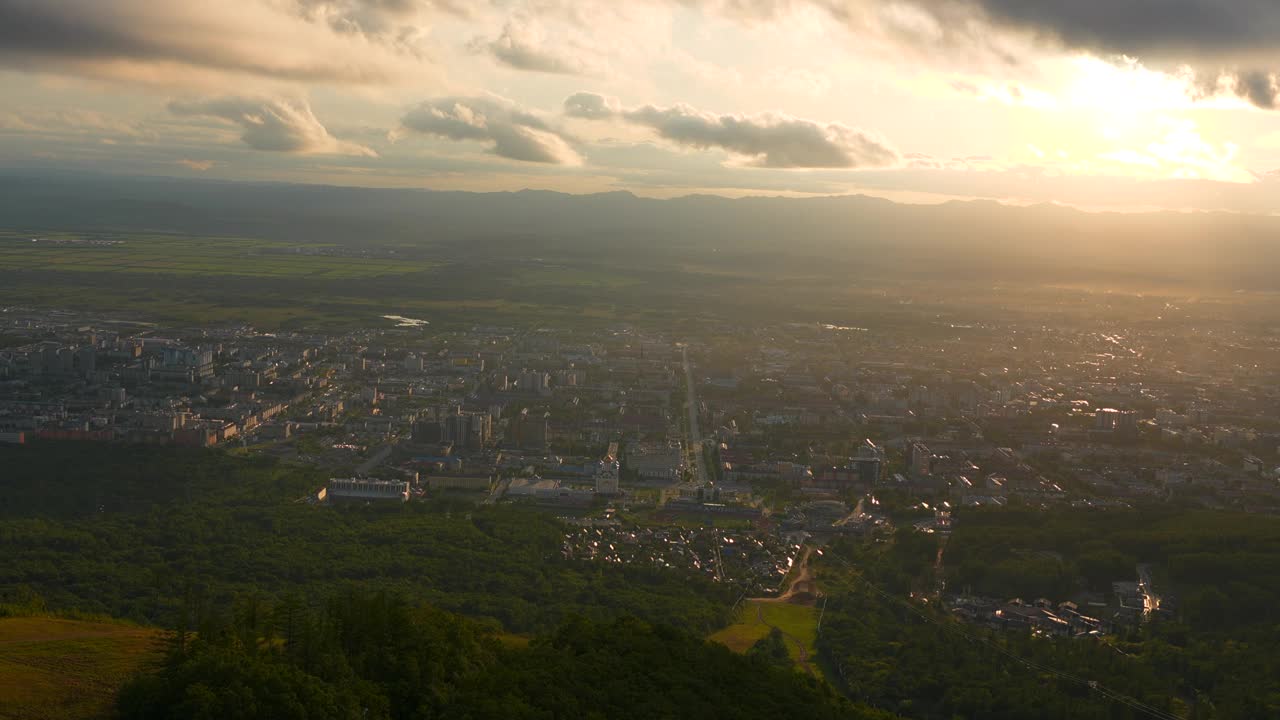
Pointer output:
184, 255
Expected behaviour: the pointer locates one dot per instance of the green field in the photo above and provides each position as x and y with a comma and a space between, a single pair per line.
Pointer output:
270, 284
274, 284
184, 255
798, 623
66, 669
746, 630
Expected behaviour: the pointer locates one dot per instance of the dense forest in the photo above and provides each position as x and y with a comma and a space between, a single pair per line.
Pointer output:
225, 550
1220, 570
132, 532
378, 656
913, 658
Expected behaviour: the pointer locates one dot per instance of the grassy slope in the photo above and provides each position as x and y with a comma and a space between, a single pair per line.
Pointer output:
744, 632
67, 669
798, 622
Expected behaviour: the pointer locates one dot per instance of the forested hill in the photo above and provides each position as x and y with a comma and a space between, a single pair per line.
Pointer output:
375, 656
858, 234
131, 531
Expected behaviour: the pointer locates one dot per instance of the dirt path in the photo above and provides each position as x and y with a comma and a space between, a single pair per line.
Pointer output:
804, 652
802, 582
939, 577
801, 590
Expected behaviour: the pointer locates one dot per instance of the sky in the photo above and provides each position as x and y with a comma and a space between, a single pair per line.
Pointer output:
1100, 104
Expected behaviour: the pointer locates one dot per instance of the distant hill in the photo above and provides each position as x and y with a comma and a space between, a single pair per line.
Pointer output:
866, 235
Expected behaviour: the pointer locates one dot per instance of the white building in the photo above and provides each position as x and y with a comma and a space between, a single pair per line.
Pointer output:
607, 474
359, 490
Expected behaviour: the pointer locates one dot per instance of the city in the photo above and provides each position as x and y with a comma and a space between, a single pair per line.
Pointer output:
813, 432
639, 360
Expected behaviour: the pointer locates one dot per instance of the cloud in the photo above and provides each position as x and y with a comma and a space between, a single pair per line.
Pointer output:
1178, 151
161, 42
402, 23
71, 122
511, 131
1192, 28
197, 165
1259, 88
523, 45
1229, 46
272, 125
1226, 45
1217, 38
771, 140
591, 106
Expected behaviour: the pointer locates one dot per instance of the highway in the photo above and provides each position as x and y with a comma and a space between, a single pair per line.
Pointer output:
694, 442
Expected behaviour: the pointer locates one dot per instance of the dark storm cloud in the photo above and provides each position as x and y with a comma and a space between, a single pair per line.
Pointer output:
1227, 39
240, 36
58, 28
1259, 88
1190, 27
1230, 43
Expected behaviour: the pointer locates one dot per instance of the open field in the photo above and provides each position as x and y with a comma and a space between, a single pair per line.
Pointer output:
798, 623
341, 284
269, 284
65, 669
746, 630
184, 255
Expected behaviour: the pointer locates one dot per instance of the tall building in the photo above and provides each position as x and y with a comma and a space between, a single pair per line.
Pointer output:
607, 477
86, 361
535, 381
196, 364
921, 460
530, 430
470, 430
1115, 421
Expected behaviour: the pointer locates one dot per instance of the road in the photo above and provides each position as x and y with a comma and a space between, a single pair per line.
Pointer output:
375, 460
1150, 600
694, 441
857, 514
499, 489
802, 580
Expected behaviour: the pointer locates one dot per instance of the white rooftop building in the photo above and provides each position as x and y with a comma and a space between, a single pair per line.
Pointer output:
357, 489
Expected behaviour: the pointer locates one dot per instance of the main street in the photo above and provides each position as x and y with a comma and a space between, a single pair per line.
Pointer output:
694, 441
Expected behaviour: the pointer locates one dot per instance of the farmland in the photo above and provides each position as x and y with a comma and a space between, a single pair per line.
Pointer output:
187, 255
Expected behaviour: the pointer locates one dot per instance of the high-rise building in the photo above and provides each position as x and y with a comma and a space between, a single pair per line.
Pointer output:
198, 363
607, 476
529, 430
535, 381
1115, 421
470, 430
86, 361
921, 460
